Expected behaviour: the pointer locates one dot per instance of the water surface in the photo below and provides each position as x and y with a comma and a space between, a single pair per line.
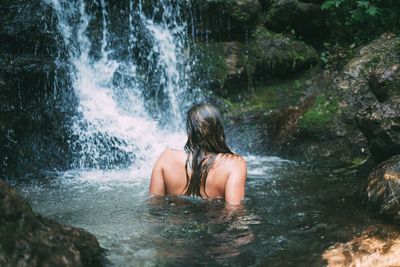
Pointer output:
292, 212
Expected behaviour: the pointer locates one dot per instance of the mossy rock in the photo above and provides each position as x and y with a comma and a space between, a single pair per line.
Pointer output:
303, 19
279, 56
227, 66
224, 20
320, 117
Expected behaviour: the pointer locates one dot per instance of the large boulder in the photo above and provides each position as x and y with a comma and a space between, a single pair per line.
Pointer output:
276, 55
224, 20
235, 67
227, 65
356, 117
28, 239
369, 89
380, 123
383, 188
377, 246
305, 19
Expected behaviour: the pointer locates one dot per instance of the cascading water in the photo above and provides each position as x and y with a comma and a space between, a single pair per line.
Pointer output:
129, 70
129, 106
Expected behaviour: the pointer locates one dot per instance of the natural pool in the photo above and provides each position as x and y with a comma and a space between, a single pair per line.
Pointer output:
292, 213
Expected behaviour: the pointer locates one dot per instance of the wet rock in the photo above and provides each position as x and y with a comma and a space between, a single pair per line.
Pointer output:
314, 131
228, 67
305, 19
28, 239
357, 114
225, 20
279, 56
380, 123
35, 90
369, 92
372, 76
383, 188
378, 245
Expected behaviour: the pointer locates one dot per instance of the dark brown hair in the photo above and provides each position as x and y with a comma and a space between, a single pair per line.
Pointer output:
206, 139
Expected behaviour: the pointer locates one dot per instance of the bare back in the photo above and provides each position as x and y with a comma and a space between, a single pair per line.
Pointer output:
226, 178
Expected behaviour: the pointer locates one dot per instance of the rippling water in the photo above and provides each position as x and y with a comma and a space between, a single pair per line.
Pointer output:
292, 212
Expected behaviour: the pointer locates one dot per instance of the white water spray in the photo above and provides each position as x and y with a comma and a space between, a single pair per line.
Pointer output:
114, 124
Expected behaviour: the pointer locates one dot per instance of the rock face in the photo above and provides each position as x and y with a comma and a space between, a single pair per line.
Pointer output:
383, 188
306, 19
239, 50
377, 246
28, 239
279, 56
356, 114
35, 93
235, 67
225, 20
369, 89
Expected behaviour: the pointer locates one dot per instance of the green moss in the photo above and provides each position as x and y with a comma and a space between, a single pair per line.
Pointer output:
212, 60
269, 97
320, 115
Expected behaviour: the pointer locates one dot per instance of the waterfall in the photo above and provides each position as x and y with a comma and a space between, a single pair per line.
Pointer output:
132, 88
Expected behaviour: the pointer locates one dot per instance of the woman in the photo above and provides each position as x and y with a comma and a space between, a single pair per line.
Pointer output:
207, 168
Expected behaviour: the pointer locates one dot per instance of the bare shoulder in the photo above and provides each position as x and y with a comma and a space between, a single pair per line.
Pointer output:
234, 160
170, 154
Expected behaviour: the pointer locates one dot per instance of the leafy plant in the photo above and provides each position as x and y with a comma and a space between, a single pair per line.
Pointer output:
361, 20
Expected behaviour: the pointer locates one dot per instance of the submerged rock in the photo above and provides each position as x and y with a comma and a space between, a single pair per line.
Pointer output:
377, 246
28, 239
383, 189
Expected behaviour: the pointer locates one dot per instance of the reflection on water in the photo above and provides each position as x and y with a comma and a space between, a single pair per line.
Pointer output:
290, 215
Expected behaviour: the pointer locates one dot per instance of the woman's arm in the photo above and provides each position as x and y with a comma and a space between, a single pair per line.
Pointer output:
157, 185
236, 183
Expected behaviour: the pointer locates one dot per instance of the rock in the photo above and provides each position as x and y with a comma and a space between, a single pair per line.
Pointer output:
372, 76
369, 92
227, 66
279, 56
314, 132
383, 188
225, 20
380, 123
28, 239
305, 19
357, 114
377, 246
36, 94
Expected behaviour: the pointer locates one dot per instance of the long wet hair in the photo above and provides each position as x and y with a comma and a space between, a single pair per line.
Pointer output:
206, 139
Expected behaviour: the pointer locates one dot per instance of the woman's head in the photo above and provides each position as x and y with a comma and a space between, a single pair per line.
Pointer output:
205, 131
206, 139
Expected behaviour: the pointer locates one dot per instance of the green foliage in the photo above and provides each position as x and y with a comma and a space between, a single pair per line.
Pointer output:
319, 116
361, 20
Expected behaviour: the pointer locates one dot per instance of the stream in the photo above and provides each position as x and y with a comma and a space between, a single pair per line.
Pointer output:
289, 217
134, 87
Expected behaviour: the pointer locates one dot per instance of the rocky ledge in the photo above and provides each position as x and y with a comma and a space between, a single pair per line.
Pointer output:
28, 239
377, 246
